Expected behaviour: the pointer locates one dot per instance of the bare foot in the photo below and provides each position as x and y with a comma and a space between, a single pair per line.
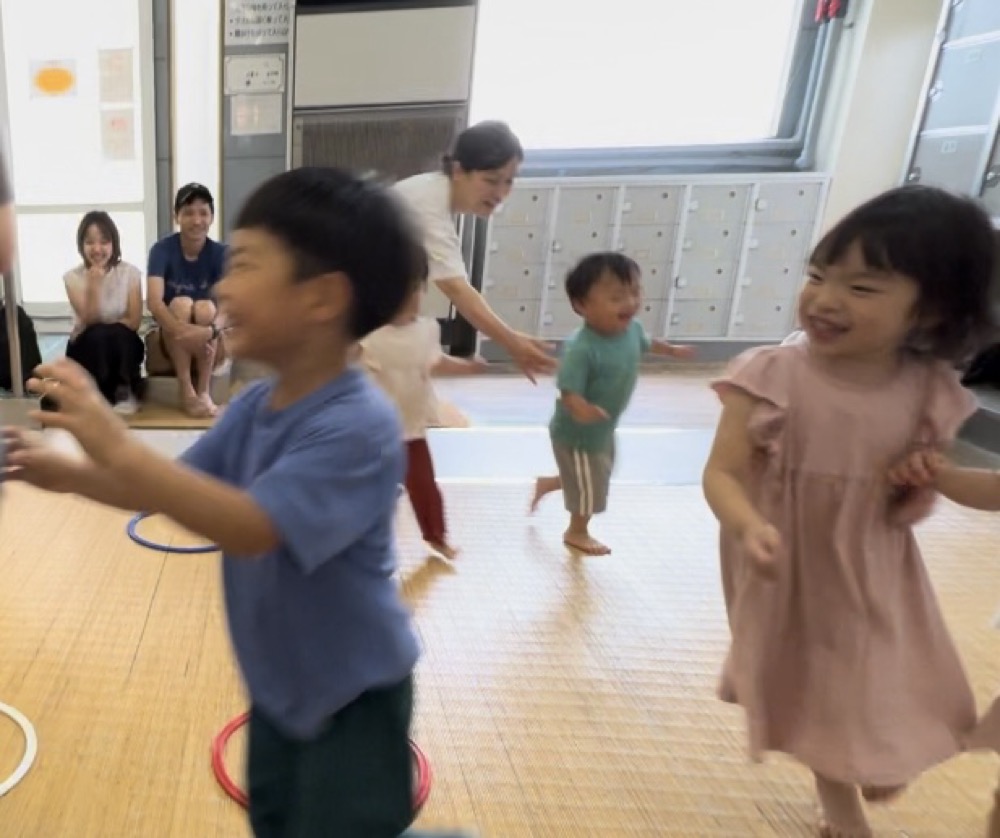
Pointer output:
211, 406
195, 407
585, 543
445, 551
827, 831
841, 813
543, 486
881, 794
993, 825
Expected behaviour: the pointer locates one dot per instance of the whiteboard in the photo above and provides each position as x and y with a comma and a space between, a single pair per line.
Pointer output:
62, 137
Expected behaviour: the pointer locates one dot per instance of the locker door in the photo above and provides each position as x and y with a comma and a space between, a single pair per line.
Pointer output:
949, 161
786, 202
973, 17
965, 87
524, 207
698, 319
763, 319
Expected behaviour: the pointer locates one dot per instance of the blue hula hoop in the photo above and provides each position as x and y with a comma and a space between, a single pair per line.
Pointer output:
133, 533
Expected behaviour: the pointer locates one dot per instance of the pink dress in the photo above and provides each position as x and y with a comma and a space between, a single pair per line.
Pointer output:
844, 662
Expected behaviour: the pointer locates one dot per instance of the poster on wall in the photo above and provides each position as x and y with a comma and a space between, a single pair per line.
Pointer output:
254, 74
53, 79
118, 134
115, 67
257, 22
256, 114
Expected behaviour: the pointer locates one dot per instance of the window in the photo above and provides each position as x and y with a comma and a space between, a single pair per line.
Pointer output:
615, 78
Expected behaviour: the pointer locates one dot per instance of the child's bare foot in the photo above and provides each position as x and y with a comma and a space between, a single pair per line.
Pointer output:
993, 825
882, 794
827, 831
841, 814
585, 543
543, 486
445, 551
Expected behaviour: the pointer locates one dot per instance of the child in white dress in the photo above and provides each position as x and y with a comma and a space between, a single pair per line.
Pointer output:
401, 357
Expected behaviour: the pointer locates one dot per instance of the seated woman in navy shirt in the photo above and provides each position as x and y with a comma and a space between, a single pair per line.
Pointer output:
181, 277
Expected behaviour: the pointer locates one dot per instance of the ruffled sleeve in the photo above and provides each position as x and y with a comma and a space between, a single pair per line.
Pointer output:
947, 406
763, 373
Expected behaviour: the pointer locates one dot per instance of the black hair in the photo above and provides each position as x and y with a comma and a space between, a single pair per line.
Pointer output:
943, 242
333, 221
483, 147
102, 221
190, 193
589, 270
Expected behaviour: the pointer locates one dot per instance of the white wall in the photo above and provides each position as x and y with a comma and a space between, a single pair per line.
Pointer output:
88, 147
874, 98
196, 105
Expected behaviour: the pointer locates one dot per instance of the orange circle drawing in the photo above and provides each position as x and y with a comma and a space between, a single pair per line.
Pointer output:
54, 80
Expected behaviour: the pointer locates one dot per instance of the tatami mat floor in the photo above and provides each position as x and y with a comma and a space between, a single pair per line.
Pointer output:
556, 697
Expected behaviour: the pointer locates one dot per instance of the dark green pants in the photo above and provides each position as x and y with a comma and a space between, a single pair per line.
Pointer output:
354, 779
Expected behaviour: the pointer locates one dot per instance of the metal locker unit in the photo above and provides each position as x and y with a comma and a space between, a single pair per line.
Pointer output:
722, 257
648, 233
783, 223
952, 145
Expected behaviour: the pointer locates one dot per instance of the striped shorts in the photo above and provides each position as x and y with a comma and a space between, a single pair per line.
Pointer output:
585, 476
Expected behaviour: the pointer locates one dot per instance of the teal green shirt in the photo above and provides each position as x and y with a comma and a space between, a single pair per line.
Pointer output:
603, 370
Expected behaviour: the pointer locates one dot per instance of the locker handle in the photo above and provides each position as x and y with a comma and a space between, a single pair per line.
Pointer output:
680, 282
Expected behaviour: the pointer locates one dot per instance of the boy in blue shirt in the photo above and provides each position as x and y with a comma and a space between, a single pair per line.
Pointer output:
297, 483
598, 372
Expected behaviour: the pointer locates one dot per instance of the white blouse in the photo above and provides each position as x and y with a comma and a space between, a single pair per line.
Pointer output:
428, 196
114, 289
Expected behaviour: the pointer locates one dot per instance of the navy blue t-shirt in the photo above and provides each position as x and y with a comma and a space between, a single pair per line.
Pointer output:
318, 621
183, 277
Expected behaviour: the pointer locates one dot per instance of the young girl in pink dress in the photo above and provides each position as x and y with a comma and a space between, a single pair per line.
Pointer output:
839, 653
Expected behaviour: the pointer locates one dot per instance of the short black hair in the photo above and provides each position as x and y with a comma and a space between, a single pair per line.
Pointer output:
943, 242
102, 221
333, 221
484, 147
588, 271
191, 192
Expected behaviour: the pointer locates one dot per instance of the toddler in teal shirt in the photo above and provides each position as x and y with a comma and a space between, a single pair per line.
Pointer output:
596, 379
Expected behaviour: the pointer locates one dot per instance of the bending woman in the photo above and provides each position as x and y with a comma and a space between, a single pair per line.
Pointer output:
106, 295
475, 179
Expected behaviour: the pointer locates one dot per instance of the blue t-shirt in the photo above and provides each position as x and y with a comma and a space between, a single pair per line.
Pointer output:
603, 370
183, 277
318, 621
